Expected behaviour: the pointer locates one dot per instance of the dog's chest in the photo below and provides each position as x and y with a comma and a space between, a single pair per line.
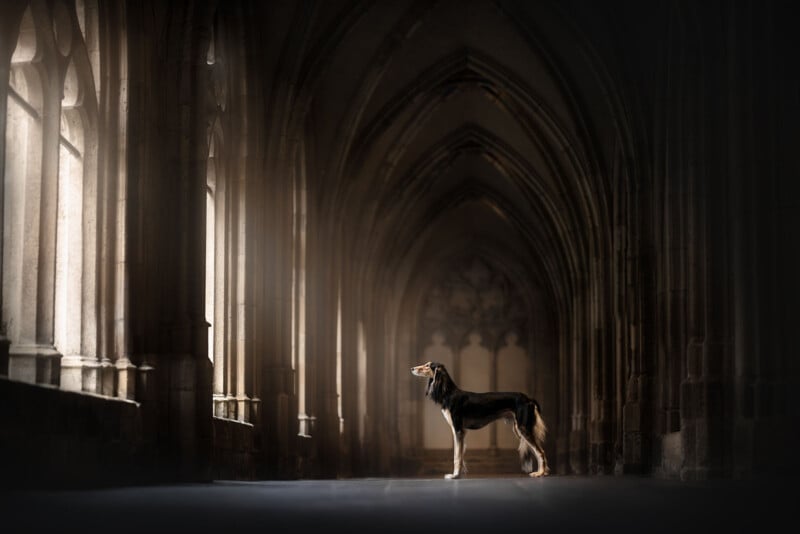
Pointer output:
447, 417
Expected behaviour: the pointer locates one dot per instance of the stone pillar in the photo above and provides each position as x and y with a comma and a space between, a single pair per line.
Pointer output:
564, 387
350, 444
578, 454
322, 346
124, 370
222, 252
273, 254
376, 434
600, 426
640, 289
707, 387
167, 198
690, 391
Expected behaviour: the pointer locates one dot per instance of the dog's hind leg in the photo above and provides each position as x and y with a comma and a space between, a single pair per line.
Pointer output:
528, 449
543, 470
530, 429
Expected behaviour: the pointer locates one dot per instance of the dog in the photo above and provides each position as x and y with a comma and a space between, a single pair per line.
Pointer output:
465, 410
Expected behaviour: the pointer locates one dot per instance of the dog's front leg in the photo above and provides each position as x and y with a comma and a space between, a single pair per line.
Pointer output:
458, 445
458, 455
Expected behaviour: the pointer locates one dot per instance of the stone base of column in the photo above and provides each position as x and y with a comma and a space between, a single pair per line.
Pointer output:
72, 373
230, 406
34, 364
306, 456
671, 455
83, 373
107, 377
220, 405
255, 411
306, 424
326, 436
694, 474
632, 443
702, 432
126, 379
90, 376
562, 455
577, 452
242, 408
145, 383
601, 458
5, 344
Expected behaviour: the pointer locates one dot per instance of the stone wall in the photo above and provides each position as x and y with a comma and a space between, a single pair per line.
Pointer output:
61, 438
234, 455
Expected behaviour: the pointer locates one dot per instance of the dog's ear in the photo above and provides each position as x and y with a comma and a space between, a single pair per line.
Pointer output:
433, 382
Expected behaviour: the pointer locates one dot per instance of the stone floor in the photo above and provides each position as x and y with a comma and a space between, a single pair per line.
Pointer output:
486, 505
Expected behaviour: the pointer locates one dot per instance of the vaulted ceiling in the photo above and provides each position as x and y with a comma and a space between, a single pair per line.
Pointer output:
465, 126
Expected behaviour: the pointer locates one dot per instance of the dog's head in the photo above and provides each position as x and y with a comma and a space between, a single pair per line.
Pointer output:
439, 382
426, 370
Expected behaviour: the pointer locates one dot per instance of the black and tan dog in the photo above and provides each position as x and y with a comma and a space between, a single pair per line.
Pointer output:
465, 410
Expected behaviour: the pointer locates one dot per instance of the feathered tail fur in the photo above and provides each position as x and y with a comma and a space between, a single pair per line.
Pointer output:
539, 428
531, 423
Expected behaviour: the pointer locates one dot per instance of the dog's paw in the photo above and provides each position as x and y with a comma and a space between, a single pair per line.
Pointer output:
449, 476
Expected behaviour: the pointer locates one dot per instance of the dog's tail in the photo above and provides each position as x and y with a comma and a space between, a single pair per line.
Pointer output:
525, 456
539, 428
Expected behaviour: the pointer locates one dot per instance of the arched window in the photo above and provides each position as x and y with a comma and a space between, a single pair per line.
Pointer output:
22, 177
49, 203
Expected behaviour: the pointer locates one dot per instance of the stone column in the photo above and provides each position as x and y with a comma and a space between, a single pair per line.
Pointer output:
636, 411
125, 370
112, 238
243, 303
564, 388
376, 435
578, 435
600, 426
350, 443
280, 425
221, 295
708, 361
166, 171
323, 294
695, 324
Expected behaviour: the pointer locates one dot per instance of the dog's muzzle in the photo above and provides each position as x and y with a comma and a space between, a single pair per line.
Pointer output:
420, 370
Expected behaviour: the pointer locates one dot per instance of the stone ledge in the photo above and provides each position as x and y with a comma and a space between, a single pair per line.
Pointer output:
51, 387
